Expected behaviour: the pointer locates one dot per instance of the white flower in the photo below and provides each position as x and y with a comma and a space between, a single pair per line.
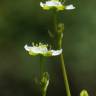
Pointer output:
42, 49
69, 7
52, 4
55, 4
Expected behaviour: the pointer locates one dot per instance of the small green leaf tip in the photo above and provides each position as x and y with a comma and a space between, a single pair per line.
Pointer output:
84, 93
41, 49
55, 4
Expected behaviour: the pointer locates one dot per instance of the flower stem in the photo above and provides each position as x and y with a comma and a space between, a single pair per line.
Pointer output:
41, 66
65, 75
59, 45
44, 93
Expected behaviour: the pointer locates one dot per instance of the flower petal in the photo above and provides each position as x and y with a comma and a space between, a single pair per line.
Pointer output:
69, 7
41, 4
27, 48
57, 52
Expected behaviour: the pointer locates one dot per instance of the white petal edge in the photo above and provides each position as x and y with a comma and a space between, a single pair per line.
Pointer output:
51, 3
69, 7
27, 48
41, 4
57, 52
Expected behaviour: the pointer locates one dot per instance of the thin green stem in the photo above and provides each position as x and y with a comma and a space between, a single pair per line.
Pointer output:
65, 75
55, 22
44, 93
59, 42
64, 70
41, 66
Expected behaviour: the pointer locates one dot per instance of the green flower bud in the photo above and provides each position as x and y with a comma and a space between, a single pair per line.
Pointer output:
44, 82
84, 93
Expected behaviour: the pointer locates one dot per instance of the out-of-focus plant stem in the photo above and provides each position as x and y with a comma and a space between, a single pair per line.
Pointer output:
41, 66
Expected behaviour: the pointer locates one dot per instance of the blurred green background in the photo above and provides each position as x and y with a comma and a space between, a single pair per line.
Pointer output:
23, 22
